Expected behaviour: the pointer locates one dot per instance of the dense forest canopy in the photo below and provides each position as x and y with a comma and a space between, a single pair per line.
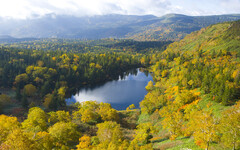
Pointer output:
193, 102
84, 46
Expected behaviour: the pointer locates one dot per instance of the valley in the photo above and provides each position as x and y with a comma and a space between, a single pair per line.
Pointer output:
190, 99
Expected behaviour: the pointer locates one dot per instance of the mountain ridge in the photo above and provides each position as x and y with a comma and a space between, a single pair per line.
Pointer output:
142, 28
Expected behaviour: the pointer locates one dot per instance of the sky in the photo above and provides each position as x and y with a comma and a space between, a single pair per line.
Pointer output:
35, 8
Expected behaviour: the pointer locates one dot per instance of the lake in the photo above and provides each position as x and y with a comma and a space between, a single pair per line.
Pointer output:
127, 90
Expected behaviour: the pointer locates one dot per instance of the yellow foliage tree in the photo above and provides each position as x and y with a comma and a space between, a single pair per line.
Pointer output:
63, 133
59, 116
18, 140
29, 69
22, 78
87, 112
36, 120
109, 131
44, 141
30, 89
235, 74
143, 133
47, 100
107, 113
130, 107
173, 122
230, 127
7, 125
62, 92
204, 128
149, 86
84, 143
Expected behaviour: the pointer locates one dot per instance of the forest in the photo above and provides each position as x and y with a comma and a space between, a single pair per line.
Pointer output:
193, 102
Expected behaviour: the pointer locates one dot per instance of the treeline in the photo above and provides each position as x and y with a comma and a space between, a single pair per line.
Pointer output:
55, 75
96, 46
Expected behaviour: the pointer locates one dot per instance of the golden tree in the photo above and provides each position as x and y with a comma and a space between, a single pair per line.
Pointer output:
30, 89
203, 125
7, 125
18, 140
230, 127
63, 133
109, 131
36, 120
84, 143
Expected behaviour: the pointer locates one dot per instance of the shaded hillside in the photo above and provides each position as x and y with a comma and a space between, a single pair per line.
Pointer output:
64, 26
170, 27
174, 27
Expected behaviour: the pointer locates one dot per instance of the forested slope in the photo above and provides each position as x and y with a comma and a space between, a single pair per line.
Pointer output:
196, 84
175, 27
193, 102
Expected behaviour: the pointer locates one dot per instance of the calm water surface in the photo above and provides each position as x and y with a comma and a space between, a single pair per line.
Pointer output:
119, 93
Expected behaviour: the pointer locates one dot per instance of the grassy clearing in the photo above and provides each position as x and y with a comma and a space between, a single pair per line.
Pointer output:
181, 143
209, 104
128, 119
11, 93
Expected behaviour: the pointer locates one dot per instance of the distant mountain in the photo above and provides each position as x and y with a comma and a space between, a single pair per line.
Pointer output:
168, 27
10, 39
175, 27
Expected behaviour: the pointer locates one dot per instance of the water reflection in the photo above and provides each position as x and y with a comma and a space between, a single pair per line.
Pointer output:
128, 89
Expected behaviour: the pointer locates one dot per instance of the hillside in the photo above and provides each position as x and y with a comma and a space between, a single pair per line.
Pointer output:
175, 27
193, 102
170, 27
195, 97
218, 37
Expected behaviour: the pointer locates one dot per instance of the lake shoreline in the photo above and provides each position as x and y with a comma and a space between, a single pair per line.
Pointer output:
128, 89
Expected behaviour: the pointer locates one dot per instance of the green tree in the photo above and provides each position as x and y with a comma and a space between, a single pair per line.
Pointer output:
4, 99
18, 94
30, 90
21, 79
24, 101
54, 103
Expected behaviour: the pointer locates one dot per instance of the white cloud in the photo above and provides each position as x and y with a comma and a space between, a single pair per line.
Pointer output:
232, 6
28, 8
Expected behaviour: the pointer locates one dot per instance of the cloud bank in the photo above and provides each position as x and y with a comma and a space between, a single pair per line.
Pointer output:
29, 8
